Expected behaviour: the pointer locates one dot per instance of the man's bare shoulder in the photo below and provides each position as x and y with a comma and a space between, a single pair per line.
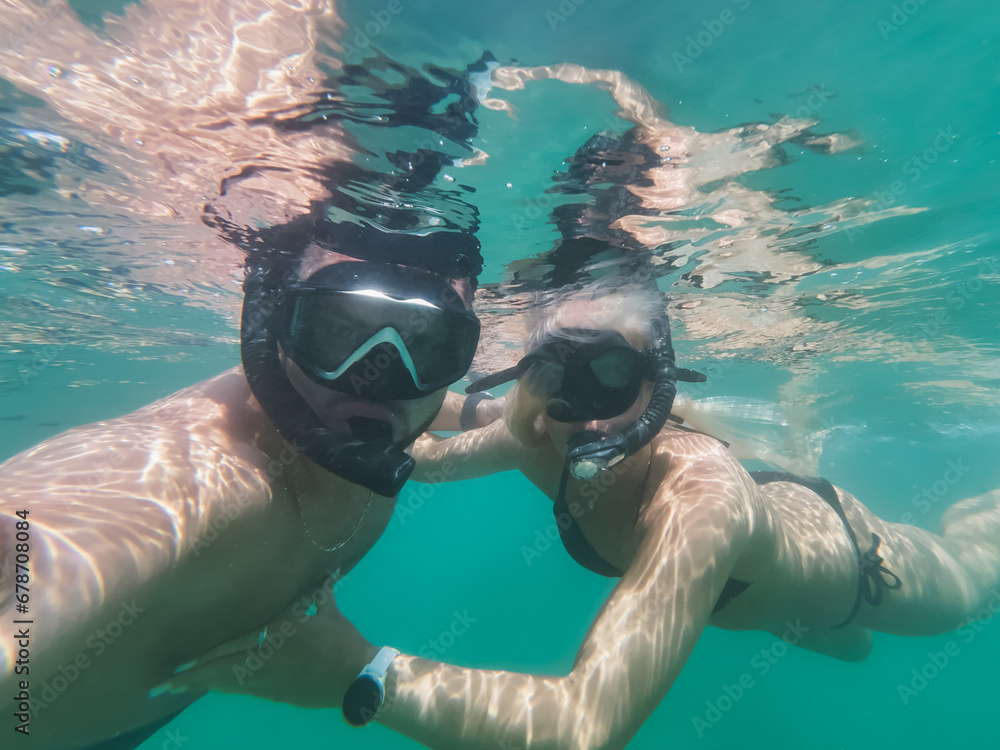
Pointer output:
173, 451
115, 502
225, 399
220, 411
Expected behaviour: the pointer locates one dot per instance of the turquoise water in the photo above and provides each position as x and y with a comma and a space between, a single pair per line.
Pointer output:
897, 76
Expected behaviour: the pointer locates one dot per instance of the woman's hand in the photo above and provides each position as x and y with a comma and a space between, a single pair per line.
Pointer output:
298, 658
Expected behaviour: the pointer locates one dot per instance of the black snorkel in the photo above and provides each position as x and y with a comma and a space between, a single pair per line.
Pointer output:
591, 452
369, 459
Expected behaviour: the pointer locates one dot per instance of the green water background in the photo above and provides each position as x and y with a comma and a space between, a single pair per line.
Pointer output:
461, 552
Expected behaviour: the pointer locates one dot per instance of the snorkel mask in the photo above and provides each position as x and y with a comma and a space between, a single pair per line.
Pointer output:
372, 330
597, 375
378, 331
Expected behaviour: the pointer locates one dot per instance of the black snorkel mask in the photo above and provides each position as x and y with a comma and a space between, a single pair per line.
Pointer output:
596, 375
373, 330
378, 331
404, 337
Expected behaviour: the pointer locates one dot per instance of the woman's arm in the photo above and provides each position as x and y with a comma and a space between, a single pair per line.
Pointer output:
696, 529
480, 411
472, 454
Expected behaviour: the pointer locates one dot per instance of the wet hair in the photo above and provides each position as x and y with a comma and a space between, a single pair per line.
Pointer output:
611, 304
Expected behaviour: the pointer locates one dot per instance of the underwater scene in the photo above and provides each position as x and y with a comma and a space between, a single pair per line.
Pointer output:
806, 191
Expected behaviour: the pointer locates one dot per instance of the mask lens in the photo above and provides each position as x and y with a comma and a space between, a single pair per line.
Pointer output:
596, 385
397, 348
546, 377
615, 368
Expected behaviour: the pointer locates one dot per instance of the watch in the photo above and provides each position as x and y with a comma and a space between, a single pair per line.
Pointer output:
366, 694
467, 419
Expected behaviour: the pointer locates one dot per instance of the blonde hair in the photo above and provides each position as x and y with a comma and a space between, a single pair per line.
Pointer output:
605, 306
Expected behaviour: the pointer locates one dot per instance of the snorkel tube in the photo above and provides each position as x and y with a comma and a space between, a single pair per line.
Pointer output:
373, 462
592, 452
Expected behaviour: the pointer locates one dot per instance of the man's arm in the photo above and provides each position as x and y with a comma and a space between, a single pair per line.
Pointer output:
632, 654
109, 507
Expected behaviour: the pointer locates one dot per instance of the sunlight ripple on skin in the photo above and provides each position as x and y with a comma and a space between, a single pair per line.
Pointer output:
145, 533
787, 541
699, 520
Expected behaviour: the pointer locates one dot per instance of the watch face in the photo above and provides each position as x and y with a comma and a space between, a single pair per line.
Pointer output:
362, 700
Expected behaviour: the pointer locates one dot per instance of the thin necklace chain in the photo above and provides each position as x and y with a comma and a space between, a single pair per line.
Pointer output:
293, 492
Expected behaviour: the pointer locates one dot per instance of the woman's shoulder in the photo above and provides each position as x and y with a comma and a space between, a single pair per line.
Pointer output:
685, 448
687, 466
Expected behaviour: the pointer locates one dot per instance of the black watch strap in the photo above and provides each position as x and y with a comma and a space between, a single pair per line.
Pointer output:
467, 419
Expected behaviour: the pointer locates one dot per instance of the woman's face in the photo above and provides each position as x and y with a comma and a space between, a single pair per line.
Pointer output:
584, 314
560, 432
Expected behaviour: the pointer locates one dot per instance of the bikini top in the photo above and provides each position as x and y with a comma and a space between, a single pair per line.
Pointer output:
581, 550
870, 568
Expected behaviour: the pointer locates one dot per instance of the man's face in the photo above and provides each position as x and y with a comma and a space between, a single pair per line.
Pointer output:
408, 418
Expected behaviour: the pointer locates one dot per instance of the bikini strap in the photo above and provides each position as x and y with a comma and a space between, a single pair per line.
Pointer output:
873, 577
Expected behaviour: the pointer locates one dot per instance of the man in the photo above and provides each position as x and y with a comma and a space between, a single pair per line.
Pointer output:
158, 535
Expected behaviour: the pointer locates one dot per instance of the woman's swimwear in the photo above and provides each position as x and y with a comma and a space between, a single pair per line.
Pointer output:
871, 583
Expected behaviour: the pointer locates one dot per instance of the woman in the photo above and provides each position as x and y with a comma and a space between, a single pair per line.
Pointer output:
695, 539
